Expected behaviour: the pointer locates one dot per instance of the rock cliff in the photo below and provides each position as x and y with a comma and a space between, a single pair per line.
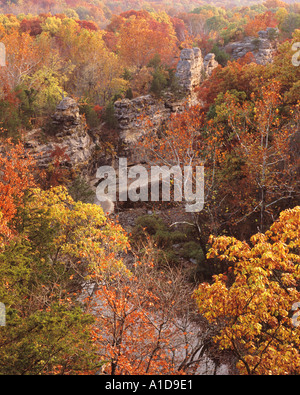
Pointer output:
209, 64
190, 69
262, 47
132, 114
67, 130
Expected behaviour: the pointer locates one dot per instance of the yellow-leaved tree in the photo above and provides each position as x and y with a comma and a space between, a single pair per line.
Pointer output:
57, 251
252, 306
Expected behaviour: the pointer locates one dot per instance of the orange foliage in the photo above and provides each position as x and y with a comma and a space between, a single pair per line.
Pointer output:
141, 39
275, 4
136, 331
16, 176
260, 22
242, 75
179, 143
22, 57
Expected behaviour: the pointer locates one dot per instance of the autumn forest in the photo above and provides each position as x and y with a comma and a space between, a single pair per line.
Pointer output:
142, 286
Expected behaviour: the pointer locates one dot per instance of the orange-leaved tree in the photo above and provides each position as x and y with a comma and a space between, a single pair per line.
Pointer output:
262, 137
141, 39
252, 303
142, 326
23, 57
16, 176
260, 22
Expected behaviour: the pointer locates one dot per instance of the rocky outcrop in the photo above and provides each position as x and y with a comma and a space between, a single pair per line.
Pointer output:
262, 47
133, 118
67, 119
209, 64
68, 132
133, 115
190, 69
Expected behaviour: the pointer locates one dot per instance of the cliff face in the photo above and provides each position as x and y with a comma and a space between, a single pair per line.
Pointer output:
209, 64
262, 47
130, 114
68, 131
190, 69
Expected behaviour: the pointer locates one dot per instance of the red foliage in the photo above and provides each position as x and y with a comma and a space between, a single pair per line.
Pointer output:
57, 174
31, 26
87, 25
111, 40
99, 111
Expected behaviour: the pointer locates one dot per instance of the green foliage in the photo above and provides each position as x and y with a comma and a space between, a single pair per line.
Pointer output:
109, 115
159, 82
151, 223
220, 55
256, 42
172, 244
216, 23
192, 250
38, 344
159, 76
129, 94
202, 269
37, 336
90, 114
163, 237
27, 105
207, 7
163, 78
42, 271
232, 32
80, 190
174, 86
10, 120
290, 23
48, 90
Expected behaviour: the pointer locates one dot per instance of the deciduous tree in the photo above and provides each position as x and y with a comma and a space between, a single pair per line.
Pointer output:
59, 247
141, 39
16, 176
251, 303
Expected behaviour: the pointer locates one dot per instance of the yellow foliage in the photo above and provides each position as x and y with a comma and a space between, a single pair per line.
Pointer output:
251, 304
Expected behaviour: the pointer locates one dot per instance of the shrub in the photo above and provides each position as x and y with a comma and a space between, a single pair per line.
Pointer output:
221, 56
91, 115
159, 81
80, 190
151, 223
109, 116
